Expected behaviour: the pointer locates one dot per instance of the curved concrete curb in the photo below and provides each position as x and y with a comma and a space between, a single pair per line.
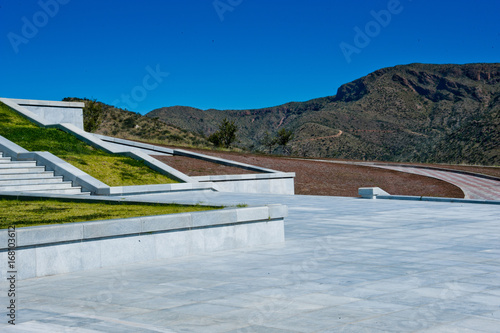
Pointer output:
378, 193
415, 198
477, 188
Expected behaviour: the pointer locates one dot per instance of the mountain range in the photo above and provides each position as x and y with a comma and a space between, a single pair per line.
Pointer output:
408, 113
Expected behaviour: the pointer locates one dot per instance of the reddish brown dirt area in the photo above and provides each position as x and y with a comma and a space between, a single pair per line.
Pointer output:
194, 167
321, 178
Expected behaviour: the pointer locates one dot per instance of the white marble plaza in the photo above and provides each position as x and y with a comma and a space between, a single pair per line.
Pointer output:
348, 265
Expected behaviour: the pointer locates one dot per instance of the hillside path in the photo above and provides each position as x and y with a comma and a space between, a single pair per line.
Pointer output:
323, 137
473, 187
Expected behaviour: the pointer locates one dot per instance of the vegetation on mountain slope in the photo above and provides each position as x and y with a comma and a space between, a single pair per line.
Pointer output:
409, 113
133, 126
226, 134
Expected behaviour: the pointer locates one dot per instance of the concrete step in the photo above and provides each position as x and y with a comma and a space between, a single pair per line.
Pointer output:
40, 187
72, 190
22, 170
17, 164
31, 181
22, 176
26, 176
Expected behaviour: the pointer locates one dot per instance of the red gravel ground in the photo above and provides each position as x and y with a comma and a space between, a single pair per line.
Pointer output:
194, 167
321, 178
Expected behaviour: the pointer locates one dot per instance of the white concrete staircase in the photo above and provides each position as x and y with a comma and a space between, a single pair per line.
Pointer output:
26, 176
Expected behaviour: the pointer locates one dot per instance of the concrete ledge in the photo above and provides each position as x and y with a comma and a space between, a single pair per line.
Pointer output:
277, 211
278, 183
60, 104
86, 137
435, 199
135, 144
274, 183
378, 193
223, 178
155, 188
371, 192
163, 168
10, 149
64, 248
78, 198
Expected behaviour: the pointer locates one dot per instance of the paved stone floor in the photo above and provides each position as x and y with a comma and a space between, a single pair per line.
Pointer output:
348, 265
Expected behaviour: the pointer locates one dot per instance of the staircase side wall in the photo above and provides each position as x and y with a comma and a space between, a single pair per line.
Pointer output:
54, 112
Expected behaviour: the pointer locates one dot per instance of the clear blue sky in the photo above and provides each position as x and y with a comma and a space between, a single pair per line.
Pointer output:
227, 54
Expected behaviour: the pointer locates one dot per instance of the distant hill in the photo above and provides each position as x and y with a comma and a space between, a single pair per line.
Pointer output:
133, 126
407, 113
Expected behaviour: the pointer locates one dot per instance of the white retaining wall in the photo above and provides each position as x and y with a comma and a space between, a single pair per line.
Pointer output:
55, 112
65, 248
277, 183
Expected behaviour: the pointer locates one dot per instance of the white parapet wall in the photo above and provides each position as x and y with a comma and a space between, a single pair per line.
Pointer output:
55, 112
72, 247
277, 183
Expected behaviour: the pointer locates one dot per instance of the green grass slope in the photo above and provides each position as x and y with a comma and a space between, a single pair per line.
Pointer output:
33, 212
111, 169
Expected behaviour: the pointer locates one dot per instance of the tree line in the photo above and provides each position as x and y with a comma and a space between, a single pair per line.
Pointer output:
225, 136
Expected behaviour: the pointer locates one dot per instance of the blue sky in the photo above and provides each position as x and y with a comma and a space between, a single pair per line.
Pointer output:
227, 54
